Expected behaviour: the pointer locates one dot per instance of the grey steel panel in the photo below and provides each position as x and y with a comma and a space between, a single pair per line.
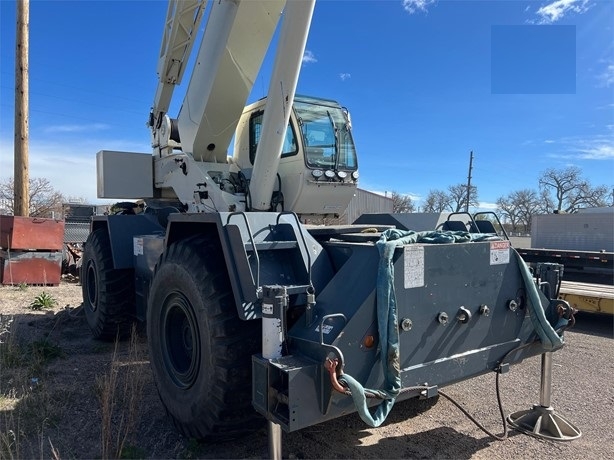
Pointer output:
147, 251
124, 175
122, 228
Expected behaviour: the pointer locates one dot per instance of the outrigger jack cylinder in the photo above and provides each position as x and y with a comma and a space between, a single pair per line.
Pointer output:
274, 304
542, 421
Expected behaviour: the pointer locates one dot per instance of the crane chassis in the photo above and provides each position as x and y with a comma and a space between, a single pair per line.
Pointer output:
249, 308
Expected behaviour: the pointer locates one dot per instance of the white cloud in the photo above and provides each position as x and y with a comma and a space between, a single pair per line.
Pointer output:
76, 128
556, 10
606, 78
596, 148
344, 76
412, 6
309, 57
596, 151
486, 206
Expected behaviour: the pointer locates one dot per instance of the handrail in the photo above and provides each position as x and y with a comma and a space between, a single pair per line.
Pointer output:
302, 239
497, 219
251, 240
471, 221
324, 318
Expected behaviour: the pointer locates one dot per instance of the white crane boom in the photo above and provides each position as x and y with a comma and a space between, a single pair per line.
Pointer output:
183, 18
233, 47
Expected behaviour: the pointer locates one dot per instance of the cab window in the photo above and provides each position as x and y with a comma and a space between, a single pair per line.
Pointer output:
289, 148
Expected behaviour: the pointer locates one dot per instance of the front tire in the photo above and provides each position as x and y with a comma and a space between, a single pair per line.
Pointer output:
200, 351
108, 293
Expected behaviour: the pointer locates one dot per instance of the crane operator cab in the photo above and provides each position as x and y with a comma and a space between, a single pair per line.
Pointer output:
318, 170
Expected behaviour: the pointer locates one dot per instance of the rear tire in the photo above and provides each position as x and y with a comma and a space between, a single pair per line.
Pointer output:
200, 351
108, 293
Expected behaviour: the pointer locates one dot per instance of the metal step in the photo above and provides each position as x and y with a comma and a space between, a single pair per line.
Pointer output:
297, 288
270, 245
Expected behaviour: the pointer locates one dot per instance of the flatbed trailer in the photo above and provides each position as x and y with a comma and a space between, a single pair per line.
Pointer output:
588, 297
574, 260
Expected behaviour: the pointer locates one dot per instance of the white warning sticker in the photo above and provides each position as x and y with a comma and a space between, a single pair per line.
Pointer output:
499, 252
267, 308
414, 266
138, 246
325, 329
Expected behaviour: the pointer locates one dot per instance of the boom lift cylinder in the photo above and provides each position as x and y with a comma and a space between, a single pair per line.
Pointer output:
291, 47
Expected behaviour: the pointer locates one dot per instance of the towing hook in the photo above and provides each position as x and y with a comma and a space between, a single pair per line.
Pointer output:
331, 367
564, 310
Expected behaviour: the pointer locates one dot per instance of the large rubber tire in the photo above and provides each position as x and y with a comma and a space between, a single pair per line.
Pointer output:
108, 293
199, 349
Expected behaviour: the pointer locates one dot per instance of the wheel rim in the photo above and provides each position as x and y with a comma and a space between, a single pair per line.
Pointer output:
180, 340
91, 278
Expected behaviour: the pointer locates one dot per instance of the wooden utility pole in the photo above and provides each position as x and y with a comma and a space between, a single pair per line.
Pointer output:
469, 182
21, 204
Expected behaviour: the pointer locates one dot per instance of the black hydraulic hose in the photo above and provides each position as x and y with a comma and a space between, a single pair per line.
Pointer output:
502, 437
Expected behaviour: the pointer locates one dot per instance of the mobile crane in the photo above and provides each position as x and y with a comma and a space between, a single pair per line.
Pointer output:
248, 307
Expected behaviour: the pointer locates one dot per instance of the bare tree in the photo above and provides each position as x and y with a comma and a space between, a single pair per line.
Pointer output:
402, 203
561, 183
589, 196
546, 205
571, 190
520, 206
436, 201
458, 197
528, 205
45, 201
508, 209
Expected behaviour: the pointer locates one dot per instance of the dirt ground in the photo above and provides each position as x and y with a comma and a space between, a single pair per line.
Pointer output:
66, 395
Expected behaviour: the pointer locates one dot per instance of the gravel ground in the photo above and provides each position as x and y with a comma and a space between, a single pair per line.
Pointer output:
57, 402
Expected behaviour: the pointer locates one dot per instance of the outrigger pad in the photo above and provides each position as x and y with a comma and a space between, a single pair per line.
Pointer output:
543, 422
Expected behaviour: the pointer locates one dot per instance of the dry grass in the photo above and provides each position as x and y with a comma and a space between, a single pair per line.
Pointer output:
31, 407
120, 392
26, 405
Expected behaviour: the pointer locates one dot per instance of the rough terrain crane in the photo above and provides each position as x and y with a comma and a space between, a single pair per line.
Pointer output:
245, 306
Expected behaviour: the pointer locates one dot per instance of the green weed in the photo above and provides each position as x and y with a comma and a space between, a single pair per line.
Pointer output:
43, 301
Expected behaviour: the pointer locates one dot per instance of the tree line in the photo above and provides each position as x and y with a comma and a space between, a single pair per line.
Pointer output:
45, 201
559, 190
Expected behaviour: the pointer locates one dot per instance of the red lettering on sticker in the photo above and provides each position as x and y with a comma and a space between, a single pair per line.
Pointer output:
499, 245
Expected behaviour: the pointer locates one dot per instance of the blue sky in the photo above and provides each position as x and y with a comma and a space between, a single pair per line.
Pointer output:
525, 85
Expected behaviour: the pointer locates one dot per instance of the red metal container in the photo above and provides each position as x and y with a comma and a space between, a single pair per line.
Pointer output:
30, 267
33, 233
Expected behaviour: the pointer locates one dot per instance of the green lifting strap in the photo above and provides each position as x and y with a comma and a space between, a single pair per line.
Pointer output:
547, 334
